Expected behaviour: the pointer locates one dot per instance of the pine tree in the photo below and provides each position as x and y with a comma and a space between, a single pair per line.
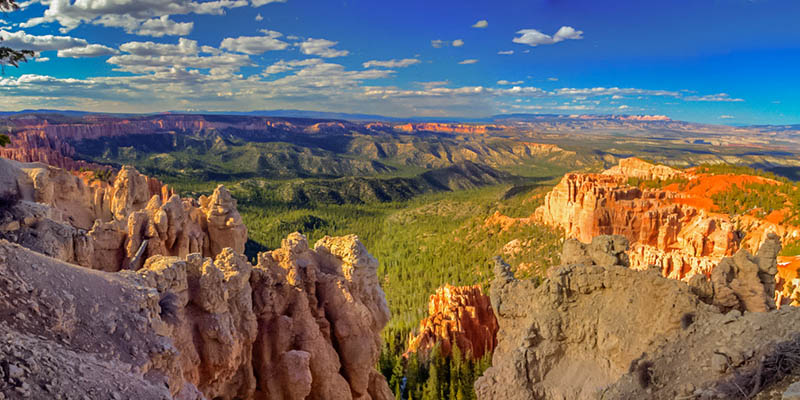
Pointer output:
396, 379
9, 56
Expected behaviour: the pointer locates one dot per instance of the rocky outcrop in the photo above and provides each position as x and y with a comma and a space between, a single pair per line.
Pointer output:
112, 226
70, 332
743, 282
677, 229
301, 324
457, 316
596, 328
637, 168
681, 239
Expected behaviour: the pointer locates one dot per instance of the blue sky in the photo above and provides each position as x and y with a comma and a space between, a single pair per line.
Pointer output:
716, 61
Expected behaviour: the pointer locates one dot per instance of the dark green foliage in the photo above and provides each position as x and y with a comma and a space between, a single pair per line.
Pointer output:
421, 243
732, 169
436, 377
9, 56
760, 198
4, 140
741, 199
791, 249
658, 183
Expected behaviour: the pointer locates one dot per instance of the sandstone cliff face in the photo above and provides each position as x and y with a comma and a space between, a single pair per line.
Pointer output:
581, 334
113, 226
667, 228
683, 240
302, 324
458, 316
445, 128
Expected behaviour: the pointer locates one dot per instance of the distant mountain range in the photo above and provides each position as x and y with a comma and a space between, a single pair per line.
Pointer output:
324, 115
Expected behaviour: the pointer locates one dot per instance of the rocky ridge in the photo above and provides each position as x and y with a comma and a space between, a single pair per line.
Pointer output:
579, 334
176, 311
112, 226
457, 316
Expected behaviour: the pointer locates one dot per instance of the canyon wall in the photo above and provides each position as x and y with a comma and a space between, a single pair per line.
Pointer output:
457, 316
679, 232
581, 334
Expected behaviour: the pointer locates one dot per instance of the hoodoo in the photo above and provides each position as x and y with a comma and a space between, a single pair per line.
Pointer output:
187, 316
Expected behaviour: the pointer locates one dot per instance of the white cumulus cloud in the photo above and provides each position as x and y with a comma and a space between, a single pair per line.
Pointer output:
158, 27
92, 50
321, 47
458, 43
255, 44
128, 14
533, 37
23, 40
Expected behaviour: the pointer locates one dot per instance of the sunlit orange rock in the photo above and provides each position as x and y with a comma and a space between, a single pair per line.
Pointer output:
460, 316
677, 229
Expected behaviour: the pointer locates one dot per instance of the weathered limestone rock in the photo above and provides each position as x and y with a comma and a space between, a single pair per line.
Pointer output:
302, 324
457, 316
742, 282
606, 331
606, 251
103, 226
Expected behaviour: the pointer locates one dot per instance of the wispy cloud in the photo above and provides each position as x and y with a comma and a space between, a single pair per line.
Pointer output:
391, 63
505, 52
720, 97
469, 61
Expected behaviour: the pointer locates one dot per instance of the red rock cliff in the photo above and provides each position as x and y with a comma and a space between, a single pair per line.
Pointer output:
460, 316
678, 231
